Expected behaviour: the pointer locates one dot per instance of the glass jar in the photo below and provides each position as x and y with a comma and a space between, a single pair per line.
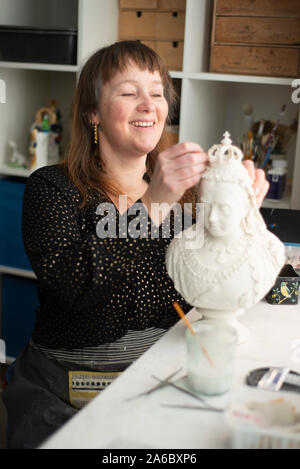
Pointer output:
210, 357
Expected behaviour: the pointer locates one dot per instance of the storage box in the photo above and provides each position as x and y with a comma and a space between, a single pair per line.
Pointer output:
166, 26
285, 290
256, 37
25, 44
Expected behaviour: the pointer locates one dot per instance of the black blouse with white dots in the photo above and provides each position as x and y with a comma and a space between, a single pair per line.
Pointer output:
91, 290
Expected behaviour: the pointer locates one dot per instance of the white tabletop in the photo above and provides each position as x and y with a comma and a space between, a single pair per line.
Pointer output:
109, 421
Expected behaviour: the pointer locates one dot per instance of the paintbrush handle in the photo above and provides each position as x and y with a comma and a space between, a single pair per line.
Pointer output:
183, 317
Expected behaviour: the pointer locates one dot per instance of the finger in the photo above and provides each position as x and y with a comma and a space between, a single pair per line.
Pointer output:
259, 181
187, 173
187, 183
263, 193
180, 149
249, 165
187, 161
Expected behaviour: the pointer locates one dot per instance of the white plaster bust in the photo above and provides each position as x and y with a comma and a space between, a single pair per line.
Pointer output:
239, 260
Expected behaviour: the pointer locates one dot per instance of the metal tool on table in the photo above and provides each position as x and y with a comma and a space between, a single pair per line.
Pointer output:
190, 393
192, 407
160, 385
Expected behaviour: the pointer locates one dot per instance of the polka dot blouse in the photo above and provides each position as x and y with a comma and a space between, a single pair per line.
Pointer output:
91, 289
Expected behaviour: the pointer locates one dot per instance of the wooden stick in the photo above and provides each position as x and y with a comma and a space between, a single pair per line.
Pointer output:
183, 317
188, 324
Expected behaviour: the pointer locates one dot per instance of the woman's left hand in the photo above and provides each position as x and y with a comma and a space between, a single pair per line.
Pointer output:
260, 184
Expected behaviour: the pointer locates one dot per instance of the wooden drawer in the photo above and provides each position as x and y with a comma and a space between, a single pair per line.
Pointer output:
172, 5
167, 5
271, 8
268, 61
170, 52
257, 30
170, 26
137, 25
138, 4
151, 25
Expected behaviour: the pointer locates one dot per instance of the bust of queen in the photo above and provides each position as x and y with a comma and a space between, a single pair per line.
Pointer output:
237, 262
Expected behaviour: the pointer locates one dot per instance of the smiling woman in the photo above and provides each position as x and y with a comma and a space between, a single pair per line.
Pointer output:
131, 118
121, 89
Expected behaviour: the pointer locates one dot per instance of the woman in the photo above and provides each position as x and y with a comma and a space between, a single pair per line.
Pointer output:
103, 300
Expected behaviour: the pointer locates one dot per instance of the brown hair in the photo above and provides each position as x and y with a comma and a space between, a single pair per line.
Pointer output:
82, 162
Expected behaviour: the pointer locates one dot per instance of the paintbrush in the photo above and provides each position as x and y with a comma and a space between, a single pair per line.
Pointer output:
268, 145
188, 324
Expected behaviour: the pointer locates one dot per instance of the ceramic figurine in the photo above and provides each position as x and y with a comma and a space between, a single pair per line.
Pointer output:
45, 137
237, 262
15, 158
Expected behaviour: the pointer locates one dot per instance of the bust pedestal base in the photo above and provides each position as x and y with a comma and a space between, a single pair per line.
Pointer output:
227, 317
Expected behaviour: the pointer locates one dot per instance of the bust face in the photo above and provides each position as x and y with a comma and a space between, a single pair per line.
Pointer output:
225, 206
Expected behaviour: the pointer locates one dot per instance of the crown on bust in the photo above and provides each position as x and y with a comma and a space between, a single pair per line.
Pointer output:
224, 153
225, 163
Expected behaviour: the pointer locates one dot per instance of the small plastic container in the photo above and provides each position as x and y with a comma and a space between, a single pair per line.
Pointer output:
285, 290
277, 179
261, 419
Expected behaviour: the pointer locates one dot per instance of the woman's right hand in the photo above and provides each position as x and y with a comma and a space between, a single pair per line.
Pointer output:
177, 169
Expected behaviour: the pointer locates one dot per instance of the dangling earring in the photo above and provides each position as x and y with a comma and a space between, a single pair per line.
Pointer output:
95, 128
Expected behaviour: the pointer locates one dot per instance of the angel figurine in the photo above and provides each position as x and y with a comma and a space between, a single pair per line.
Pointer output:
238, 261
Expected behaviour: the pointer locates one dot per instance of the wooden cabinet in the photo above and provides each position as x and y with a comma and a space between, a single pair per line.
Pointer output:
256, 38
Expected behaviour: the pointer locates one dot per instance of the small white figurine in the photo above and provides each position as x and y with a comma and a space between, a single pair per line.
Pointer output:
239, 260
15, 158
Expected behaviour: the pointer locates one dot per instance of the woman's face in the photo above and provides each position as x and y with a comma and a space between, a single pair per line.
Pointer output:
225, 205
132, 112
